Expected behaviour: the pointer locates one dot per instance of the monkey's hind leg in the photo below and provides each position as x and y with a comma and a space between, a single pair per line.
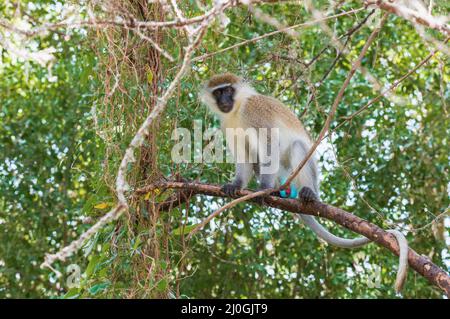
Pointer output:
268, 165
308, 176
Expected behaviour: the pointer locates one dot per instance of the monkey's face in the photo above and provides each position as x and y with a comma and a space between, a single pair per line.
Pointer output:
224, 98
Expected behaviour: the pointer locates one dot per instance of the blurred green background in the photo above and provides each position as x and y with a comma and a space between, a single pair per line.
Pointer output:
65, 125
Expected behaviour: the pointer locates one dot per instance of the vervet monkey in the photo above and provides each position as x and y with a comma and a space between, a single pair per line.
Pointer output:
240, 108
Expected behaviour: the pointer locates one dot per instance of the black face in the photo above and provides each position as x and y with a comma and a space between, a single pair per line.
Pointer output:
224, 98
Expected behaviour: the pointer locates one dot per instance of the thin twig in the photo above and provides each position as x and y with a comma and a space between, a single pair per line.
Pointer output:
266, 35
336, 102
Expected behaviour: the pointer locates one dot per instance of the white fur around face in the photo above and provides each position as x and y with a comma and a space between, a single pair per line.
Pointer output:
207, 98
243, 92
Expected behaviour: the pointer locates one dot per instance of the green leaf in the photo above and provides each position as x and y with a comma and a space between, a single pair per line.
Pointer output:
163, 264
183, 230
137, 242
72, 293
162, 285
92, 264
149, 76
99, 287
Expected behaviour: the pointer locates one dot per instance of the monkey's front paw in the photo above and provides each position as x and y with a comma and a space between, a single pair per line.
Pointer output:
230, 189
307, 195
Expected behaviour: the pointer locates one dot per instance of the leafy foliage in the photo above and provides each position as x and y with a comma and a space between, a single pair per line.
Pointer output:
388, 165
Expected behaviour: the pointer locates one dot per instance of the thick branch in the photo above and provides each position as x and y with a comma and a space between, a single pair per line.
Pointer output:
420, 264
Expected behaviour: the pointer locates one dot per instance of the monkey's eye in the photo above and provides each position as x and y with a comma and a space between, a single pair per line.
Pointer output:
216, 93
229, 90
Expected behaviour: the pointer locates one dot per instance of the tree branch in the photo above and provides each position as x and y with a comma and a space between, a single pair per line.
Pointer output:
421, 264
418, 16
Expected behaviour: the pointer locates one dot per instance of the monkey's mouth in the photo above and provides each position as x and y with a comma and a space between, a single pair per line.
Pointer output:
225, 107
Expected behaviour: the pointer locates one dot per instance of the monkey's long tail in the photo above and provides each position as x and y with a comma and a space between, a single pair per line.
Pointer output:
323, 233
